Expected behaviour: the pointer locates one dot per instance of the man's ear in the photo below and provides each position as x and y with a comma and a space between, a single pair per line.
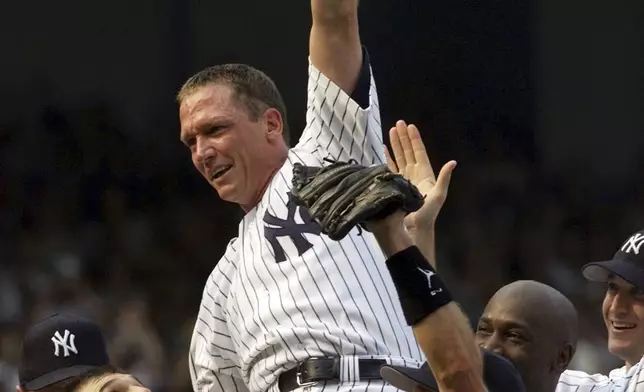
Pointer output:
274, 124
564, 356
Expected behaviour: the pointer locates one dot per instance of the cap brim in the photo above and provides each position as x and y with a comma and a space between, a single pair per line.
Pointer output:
57, 375
407, 379
600, 271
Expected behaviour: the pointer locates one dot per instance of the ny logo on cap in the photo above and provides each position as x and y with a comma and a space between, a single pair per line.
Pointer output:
429, 275
66, 342
633, 244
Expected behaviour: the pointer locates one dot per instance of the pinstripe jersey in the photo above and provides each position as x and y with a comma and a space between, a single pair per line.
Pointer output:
283, 292
618, 380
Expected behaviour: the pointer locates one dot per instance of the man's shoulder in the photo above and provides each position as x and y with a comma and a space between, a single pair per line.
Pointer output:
226, 262
617, 378
580, 378
577, 377
231, 250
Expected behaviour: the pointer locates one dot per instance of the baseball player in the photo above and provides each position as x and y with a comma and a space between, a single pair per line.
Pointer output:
67, 353
60, 348
623, 310
287, 308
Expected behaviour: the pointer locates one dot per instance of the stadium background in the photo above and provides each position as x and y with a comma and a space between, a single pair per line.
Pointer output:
100, 211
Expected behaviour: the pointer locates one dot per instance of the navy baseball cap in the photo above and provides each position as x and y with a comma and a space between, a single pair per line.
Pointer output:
498, 373
60, 347
627, 263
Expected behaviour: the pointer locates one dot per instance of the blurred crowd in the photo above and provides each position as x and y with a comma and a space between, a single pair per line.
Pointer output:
89, 223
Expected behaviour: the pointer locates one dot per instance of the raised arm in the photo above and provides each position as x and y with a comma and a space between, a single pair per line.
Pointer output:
343, 114
441, 328
334, 45
445, 335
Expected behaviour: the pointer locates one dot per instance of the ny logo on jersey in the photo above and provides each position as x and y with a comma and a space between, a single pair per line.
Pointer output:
633, 244
66, 342
429, 275
277, 227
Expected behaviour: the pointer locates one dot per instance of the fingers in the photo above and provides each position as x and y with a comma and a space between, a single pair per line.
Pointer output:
405, 142
445, 176
416, 144
396, 146
408, 147
390, 161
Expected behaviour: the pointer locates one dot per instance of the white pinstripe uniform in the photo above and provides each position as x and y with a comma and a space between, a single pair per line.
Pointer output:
266, 308
618, 380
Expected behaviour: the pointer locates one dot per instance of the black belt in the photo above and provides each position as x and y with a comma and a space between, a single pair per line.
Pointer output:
314, 370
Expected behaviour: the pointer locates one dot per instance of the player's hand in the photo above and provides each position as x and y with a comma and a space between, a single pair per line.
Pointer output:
410, 159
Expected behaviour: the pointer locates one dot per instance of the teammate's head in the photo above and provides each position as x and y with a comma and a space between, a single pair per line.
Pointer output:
623, 306
233, 119
104, 379
58, 348
534, 326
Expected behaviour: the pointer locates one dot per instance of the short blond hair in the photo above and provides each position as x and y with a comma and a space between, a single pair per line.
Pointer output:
251, 87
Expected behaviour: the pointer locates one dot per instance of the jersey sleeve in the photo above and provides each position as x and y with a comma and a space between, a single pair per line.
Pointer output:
340, 126
213, 359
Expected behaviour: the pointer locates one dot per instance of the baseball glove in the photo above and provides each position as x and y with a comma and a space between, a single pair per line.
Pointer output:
345, 194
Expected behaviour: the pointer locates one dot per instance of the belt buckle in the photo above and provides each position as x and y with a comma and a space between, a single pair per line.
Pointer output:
298, 378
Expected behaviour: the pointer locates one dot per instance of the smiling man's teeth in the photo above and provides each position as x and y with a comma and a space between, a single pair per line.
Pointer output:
617, 325
218, 173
